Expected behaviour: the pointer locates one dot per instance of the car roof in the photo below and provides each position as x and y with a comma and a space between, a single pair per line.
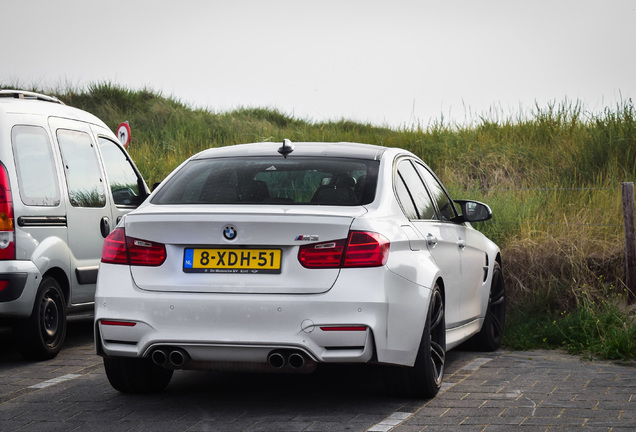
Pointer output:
23, 102
315, 149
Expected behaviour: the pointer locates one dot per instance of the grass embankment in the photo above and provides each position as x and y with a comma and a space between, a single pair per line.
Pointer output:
552, 180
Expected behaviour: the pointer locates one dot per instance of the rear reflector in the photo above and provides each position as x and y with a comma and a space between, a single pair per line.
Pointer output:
344, 328
3, 284
118, 323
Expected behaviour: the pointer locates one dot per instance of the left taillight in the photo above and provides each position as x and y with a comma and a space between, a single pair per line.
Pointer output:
120, 249
7, 231
360, 249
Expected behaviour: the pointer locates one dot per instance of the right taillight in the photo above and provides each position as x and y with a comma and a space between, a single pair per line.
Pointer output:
366, 249
7, 233
360, 249
120, 249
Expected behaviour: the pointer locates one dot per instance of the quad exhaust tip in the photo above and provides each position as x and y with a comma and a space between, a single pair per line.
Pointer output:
280, 359
159, 357
276, 360
296, 361
175, 358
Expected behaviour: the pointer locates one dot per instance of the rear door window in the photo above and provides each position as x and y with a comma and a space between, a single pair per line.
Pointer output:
37, 177
417, 191
81, 166
442, 200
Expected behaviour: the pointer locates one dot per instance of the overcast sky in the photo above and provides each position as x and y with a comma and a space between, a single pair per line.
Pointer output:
395, 63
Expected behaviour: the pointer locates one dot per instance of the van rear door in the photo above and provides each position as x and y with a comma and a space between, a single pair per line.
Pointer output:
87, 212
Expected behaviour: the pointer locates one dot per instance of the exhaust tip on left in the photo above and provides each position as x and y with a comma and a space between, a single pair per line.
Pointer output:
276, 360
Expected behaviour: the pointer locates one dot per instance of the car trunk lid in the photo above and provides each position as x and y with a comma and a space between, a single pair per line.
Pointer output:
221, 249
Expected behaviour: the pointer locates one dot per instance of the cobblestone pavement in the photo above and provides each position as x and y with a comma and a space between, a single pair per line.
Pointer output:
512, 391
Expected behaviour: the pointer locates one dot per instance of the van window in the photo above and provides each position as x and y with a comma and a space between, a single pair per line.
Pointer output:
35, 166
81, 166
124, 183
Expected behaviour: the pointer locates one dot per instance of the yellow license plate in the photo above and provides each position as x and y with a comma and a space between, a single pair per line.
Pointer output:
246, 261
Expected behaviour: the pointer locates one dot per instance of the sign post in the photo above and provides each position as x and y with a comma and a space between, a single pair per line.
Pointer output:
627, 190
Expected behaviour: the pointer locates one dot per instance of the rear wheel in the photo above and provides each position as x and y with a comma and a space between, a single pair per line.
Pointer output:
491, 333
424, 378
136, 375
41, 336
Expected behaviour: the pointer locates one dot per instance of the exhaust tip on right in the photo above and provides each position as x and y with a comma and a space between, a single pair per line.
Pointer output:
177, 358
296, 360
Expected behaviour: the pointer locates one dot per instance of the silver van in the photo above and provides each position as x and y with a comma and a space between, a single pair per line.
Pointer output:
65, 181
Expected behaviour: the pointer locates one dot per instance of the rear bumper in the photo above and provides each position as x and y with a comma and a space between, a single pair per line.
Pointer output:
17, 297
368, 313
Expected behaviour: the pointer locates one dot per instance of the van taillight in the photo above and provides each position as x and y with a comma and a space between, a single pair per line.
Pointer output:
7, 233
120, 249
361, 249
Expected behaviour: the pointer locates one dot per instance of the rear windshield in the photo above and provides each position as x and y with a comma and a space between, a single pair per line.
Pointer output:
308, 181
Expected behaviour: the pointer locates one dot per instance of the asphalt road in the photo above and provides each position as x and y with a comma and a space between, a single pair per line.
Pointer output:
501, 391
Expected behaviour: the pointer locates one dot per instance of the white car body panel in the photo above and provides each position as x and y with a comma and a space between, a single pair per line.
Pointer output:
274, 227
243, 322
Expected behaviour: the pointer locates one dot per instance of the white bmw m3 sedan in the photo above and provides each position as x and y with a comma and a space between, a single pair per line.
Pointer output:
283, 256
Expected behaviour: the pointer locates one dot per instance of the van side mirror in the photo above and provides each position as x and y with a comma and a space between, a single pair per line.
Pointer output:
473, 211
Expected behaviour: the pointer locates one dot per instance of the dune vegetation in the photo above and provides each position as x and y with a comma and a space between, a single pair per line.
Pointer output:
552, 178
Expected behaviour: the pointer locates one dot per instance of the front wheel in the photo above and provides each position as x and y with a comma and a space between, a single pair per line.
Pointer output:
424, 378
42, 334
136, 375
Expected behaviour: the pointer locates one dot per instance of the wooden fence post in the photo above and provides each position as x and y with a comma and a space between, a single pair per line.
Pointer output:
627, 190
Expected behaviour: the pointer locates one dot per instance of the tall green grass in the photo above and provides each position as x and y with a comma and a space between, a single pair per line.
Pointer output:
551, 176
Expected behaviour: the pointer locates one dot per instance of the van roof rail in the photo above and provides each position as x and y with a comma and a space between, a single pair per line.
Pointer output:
21, 94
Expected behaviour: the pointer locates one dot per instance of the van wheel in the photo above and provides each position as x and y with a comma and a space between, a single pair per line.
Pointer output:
136, 375
42, 334
424, 378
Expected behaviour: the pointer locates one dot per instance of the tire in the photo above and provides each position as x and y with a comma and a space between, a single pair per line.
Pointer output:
491, 333
41, 336
424, 378
136, 375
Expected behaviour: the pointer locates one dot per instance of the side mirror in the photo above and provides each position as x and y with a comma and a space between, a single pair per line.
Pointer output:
473, 211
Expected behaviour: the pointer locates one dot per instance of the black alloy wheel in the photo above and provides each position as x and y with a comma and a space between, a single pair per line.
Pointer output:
424, 378
491, 333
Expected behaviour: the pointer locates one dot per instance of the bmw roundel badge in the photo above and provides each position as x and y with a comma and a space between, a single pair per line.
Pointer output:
229, 232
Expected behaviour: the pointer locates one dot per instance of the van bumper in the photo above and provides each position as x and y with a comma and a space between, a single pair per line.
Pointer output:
19, 281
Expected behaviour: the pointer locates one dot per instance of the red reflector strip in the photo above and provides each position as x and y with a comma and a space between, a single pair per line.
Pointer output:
344, 328
119, 323
3, 284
